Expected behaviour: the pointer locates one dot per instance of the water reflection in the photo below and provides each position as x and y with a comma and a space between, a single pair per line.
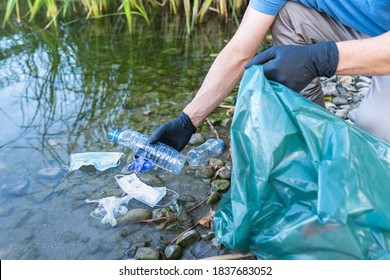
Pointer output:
60, 92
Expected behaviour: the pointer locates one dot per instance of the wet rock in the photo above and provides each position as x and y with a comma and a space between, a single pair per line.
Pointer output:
346, 80
216, 162
188, 238
124, 233
213, 198
207, 181
181, 213
225, 174
204, 173
112, 192
347, 107
343, 113
85, 239
329, 105
162, 246
53, 142
363, 91
19, 187
220, 185
150, 179
147, 253
203, 249
349, 87
133, 249
94, 246
362, 85
340, 101
173, 252
50, 172
209, 235
365, 79
330, 90
162, 212
125, 171
196, 138
106, 247
187, 198
70, 236
135, 214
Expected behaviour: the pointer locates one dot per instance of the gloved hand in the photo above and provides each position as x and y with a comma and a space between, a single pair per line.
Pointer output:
296, 66
175, 133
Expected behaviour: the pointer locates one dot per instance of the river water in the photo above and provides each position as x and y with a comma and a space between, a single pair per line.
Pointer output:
61, 90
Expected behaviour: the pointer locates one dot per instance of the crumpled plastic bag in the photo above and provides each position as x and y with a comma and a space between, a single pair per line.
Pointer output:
109, 208
305, 183
139, 165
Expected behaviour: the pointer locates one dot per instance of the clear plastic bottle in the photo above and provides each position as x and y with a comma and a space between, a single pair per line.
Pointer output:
160, 154
200, 155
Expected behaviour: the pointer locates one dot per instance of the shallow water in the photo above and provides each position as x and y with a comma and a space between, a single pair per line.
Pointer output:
60, 92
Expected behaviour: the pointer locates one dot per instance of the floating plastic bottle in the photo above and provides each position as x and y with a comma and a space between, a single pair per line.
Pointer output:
200, 155
159, 154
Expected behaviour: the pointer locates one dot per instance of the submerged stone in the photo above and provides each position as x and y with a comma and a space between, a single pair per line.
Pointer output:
220, 185
18, 187
216, 162
49, 172
147, 253
136, 214
173, 252
188, 238
204, 173
213, 198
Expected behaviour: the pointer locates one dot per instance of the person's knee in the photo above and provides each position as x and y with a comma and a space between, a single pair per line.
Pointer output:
371, 122
282, 30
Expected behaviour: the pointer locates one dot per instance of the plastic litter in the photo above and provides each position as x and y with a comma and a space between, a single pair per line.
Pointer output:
305, 183
101, 160
140, 191
109, 208
159, 154
140, 165
201, 154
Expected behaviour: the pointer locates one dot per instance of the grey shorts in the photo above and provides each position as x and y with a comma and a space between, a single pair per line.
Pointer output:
298, 25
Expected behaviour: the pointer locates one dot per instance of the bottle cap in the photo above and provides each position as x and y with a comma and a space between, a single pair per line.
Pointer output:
113, 135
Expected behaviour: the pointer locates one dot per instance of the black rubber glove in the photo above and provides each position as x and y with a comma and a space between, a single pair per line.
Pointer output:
175, 133
296, 66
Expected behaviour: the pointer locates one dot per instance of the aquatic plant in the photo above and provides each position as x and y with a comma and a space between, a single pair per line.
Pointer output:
70, 11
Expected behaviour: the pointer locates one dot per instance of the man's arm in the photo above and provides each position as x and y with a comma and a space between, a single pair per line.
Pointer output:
229, 65
365, 57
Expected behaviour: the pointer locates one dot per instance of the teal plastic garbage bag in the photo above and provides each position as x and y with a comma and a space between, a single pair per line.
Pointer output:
305, 183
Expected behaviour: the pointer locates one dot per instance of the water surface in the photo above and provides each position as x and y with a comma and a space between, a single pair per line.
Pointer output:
60, 91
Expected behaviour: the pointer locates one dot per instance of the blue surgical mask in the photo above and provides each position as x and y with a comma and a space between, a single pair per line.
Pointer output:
101, 160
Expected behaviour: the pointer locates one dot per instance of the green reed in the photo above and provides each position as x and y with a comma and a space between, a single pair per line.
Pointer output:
195, 11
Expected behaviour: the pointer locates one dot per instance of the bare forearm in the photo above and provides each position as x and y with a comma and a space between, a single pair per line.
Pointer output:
220, 80
365, 57
229, 66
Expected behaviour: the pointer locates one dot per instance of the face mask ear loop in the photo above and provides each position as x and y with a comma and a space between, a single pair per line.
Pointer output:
176, 196
67, 168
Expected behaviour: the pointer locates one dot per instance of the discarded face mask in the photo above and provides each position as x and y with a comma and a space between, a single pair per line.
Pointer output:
109, 208
140, 191
101, 160
140, 165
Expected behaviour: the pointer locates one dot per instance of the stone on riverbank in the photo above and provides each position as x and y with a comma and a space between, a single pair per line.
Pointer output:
188, 238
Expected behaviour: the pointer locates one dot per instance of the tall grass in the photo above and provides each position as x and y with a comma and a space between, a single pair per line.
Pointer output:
195, 11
